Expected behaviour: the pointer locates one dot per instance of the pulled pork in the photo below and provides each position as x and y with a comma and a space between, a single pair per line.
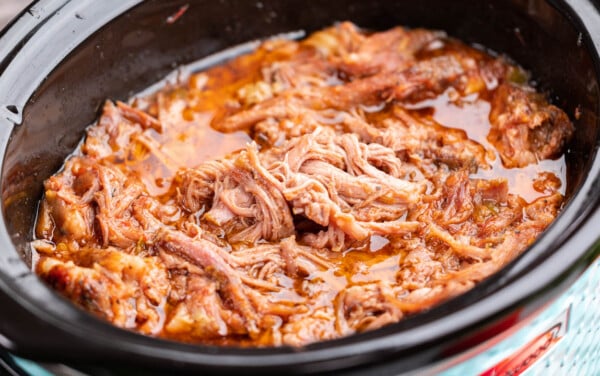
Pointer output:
306, 191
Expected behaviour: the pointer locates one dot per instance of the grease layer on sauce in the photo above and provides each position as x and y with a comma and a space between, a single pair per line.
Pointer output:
193, 141
167, 259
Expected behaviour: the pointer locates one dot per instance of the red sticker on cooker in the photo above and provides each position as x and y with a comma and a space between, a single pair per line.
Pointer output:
525, 357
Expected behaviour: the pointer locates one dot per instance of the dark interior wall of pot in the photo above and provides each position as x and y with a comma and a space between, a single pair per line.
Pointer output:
141, 47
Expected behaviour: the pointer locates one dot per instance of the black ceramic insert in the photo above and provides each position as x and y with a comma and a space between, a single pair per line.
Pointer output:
61, 59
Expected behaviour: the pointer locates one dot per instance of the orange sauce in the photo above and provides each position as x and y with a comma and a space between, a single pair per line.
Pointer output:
188, 140
471, 114
192, 141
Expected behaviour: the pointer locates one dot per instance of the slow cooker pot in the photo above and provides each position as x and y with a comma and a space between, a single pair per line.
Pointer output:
61, 59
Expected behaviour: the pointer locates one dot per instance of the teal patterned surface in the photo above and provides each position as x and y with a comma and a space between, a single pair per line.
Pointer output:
577, 353
31, 368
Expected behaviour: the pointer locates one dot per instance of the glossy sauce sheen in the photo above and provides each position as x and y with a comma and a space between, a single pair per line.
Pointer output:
197, 142
471, 115
192, 142
189, 109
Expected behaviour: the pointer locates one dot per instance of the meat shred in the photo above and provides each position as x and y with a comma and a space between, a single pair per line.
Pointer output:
307, 191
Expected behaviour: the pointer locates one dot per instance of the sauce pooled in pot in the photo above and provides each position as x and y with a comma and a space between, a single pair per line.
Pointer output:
306, 191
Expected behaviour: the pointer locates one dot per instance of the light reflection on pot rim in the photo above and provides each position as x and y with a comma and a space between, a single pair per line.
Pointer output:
551, 274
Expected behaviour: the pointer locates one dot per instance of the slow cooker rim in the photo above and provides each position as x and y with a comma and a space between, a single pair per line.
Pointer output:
142, 344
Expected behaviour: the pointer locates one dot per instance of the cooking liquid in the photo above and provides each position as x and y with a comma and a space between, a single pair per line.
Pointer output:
188, 140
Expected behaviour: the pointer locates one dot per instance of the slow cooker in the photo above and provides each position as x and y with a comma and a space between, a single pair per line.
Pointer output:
59, 61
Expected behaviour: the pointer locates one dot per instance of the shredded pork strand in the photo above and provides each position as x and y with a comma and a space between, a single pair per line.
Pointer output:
304, 192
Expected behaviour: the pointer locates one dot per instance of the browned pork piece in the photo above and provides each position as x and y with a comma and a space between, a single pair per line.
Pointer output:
525, 128
307, 191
